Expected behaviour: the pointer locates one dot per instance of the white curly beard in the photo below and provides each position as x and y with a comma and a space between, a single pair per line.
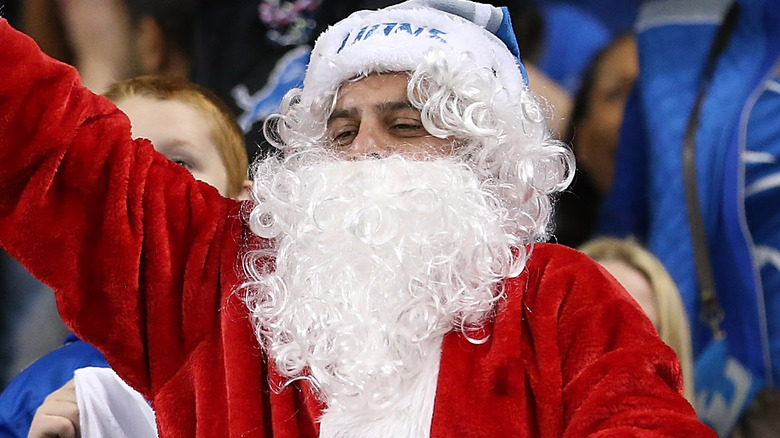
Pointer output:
375, 261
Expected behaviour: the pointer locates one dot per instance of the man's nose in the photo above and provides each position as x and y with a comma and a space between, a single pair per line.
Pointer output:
370, 141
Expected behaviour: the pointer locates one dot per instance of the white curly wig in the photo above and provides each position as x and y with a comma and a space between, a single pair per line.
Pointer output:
468, 86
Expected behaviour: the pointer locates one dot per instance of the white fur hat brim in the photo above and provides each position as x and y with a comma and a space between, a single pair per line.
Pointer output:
396, 40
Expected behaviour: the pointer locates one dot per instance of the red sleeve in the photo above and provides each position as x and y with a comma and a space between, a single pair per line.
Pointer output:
130, 242
617, 377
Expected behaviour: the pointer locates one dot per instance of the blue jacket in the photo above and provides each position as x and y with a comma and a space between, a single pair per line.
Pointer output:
26, 392
737, 147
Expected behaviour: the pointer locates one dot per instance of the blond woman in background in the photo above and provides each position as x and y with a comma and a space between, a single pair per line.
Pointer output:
646, 279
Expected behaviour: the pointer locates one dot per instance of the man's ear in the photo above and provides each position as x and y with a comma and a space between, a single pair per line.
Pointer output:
246, 191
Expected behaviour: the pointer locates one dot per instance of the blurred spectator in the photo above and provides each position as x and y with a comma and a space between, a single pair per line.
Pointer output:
689, 53
112, 40
594, 134
645, 278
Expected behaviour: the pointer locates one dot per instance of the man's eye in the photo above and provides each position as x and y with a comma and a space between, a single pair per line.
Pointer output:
343, 138
408, 127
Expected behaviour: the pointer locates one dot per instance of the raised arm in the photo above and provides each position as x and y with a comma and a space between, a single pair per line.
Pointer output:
129, 241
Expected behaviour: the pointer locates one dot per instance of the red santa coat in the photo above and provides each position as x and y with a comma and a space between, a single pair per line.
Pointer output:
146, 262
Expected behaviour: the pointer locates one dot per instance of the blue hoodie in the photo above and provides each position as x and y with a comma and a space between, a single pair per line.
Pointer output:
27, 391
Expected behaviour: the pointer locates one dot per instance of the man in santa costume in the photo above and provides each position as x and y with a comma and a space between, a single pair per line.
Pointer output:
384, 282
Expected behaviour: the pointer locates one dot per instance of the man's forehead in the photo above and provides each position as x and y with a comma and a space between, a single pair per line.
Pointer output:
383, 81
352, 110
377, 92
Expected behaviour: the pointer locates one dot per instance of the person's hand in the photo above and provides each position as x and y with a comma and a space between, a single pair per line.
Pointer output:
58, 416
100, 35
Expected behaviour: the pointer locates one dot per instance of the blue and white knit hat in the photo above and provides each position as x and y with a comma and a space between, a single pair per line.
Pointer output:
396, 39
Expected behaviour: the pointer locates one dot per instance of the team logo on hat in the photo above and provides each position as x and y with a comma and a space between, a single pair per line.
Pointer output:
387, 29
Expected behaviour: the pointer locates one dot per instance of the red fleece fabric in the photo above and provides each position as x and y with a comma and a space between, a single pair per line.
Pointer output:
145, 264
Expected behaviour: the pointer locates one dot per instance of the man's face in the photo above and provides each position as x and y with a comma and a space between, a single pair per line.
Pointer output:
373, 116
181, 133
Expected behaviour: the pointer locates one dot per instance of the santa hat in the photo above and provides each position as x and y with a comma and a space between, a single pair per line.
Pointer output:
396, 39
